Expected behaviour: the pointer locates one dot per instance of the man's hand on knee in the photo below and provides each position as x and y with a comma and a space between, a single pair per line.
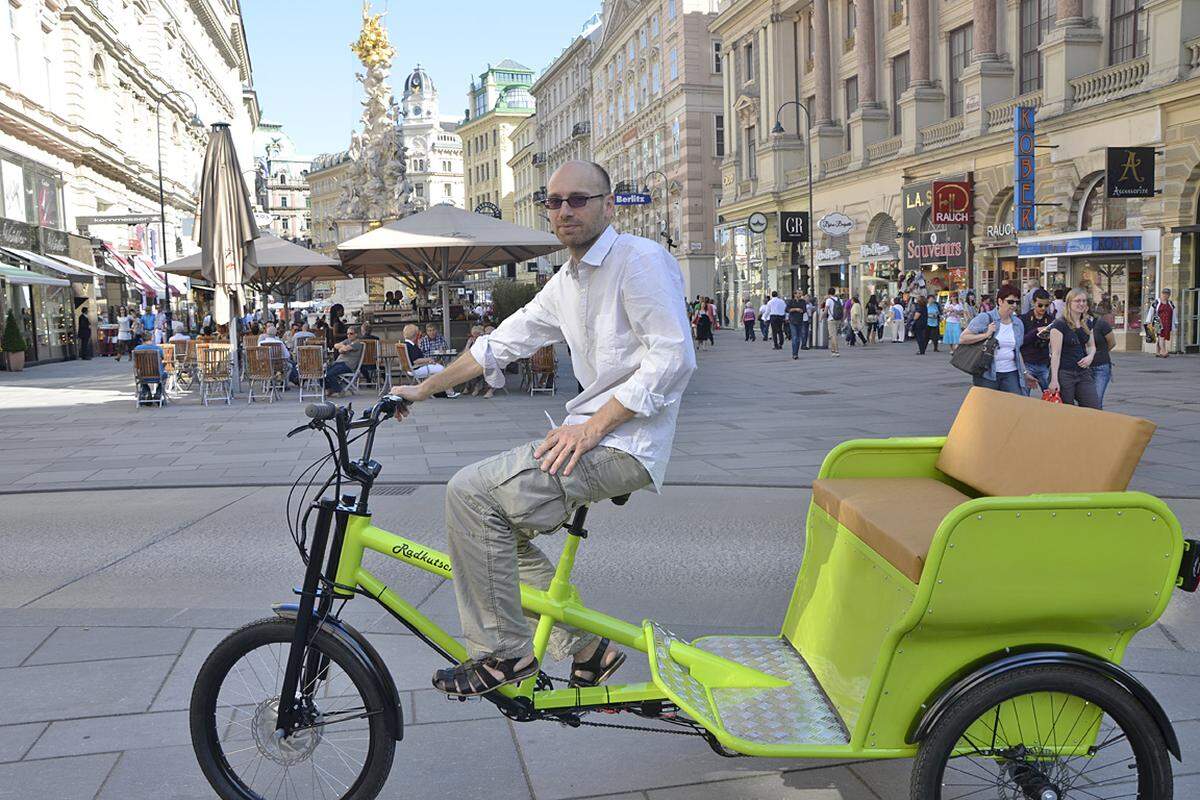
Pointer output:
566, 444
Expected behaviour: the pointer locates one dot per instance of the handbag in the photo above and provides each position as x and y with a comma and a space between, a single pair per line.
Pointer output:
1051, 396
975, 359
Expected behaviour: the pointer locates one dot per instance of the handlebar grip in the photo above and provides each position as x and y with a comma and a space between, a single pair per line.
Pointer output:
320, 411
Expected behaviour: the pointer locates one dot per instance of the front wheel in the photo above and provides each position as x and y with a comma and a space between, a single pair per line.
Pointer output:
1044, 733
343, 750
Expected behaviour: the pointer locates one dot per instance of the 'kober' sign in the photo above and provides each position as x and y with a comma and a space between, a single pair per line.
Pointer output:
952, 202
1024, 196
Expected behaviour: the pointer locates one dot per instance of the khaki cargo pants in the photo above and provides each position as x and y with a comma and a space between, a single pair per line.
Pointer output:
494, 508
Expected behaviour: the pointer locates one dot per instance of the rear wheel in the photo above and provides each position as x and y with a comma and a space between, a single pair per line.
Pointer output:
1044, 733
343, 749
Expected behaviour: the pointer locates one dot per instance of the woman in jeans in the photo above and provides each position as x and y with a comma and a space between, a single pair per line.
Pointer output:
1072, 349
748, 317
1007, 372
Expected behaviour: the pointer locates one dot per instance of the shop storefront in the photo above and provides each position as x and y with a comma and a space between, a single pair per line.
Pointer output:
1118, 270
935, 256
741, 275
878, 270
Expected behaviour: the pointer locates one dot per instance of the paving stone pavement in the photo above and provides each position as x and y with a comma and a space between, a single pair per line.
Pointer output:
112, 599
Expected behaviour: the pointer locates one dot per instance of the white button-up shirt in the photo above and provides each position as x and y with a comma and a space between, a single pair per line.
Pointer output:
776, 307
621, 311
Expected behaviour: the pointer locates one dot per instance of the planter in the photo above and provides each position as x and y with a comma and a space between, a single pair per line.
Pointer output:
15, 361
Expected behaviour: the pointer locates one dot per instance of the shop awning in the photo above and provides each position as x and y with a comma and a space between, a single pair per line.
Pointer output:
124, 267
152, 272
97, 271
47, 263
23, 277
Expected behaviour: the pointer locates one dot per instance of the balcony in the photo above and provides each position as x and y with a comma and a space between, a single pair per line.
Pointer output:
942, 133
625, 187
539, 159
884, 149
1110, 83
581, 129
1000, 116
839, 163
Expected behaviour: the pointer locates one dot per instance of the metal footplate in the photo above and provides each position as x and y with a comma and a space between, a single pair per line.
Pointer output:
788, 709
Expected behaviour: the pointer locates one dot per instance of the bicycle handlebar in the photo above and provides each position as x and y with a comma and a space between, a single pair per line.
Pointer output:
363, 470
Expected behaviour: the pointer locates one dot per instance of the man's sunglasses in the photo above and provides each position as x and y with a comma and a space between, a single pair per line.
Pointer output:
1012, 301
574, 201
1041, 305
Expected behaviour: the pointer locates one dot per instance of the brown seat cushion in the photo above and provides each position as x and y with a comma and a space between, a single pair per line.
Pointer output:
895, 517
1005, 445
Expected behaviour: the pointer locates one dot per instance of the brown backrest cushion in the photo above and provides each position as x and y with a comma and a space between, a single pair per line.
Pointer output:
1005, 445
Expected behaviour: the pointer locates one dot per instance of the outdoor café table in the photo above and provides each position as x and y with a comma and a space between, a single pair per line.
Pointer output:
388, 362
443, 356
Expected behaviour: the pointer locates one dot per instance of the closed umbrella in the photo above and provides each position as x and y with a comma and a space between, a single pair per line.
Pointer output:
227, 231
442, 244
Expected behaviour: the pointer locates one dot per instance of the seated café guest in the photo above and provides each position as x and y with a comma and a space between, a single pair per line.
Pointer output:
349, 355
433, 341
365, 332
146, 385
304, 336
422, 366
178, 335
270, 338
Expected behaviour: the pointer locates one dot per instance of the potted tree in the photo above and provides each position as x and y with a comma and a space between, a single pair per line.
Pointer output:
13, 344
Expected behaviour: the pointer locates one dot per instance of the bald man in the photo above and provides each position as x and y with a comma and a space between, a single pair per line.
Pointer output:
616, 304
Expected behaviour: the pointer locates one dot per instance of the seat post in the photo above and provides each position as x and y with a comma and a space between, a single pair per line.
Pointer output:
561, 584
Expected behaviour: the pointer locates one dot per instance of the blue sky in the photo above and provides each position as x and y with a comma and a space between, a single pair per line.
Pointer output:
304, 70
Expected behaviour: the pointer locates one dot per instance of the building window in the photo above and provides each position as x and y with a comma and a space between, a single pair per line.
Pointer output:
1128, 34
810, 40
672, 65
851, 104
716, 54
283, 202
961, 50
448, 189
851, 18
642, 38
675, 137
1037, 18
751, 164
900, 78
720, 135
420, 187
655, 78
632, 50
654, 25
748, 51
645, 85
670, 9
632, 99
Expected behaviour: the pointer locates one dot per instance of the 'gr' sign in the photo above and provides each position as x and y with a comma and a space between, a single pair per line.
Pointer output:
1024, 198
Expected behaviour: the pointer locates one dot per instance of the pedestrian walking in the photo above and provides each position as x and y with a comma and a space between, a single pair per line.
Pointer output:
953, 316
834, 313
896, 313
1162, 314
798, 310
934, 319
776, 313
1105, 340
920, 324
872, 318
857, 321
970, 308
702, 324
1007, 372
764, 318
1035, 348
748, 317
1072, 350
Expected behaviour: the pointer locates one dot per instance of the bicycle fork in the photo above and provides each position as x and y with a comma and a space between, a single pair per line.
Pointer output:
307, 666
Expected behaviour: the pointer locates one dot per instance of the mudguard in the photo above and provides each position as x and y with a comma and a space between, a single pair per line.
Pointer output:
358, 644
938, 707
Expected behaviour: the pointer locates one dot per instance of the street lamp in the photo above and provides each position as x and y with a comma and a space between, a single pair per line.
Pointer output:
666, 202
778, 131
194, 122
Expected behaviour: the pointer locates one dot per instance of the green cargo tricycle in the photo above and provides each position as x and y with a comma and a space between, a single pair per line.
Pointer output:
951, 607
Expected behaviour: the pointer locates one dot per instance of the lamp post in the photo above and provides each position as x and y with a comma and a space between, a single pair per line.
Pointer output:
162, 203
666, 202
777, 130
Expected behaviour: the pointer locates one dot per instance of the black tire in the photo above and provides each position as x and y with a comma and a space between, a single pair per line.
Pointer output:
1123, 715
276, 634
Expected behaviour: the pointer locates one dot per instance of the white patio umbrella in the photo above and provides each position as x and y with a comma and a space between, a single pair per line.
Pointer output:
227, 232
442, 244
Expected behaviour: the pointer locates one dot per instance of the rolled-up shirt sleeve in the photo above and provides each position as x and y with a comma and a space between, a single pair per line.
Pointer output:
663, 330
519, 336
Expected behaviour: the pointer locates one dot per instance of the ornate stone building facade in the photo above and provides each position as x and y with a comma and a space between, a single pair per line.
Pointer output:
656, 102
904, 92
281, 183
435, 152
499, 101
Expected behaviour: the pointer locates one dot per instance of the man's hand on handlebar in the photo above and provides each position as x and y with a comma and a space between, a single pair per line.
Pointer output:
410, 394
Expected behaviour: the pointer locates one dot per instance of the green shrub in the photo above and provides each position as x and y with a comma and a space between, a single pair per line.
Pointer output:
508, 296
13, 341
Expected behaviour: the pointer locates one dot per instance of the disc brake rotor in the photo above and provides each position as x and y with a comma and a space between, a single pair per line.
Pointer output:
285, 751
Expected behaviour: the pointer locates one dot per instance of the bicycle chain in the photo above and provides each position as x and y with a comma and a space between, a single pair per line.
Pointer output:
618, 726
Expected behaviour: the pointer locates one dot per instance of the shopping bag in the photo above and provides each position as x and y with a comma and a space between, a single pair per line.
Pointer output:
1051, 396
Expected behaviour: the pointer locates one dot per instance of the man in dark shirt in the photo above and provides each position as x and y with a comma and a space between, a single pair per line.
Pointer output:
798, 316
1035, 348
349, 356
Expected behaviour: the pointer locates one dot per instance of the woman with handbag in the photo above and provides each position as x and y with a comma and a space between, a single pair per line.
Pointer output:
1072, 349
1005, 371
